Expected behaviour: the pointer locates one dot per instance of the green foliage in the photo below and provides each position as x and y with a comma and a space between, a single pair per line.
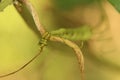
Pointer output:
68, 4
4, 4
80, 33
116, 4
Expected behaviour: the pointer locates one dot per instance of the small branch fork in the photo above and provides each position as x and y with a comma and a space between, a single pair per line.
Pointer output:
46, 36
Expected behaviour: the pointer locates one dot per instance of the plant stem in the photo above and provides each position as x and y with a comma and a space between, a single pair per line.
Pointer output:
76, 49
34, 15
43, 42
54, 38
11, 73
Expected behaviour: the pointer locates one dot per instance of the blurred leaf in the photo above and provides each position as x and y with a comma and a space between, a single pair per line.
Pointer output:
4, 4
68, 4
116, 4
84, 33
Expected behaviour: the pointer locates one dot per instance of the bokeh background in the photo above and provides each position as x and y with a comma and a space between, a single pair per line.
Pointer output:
19, 41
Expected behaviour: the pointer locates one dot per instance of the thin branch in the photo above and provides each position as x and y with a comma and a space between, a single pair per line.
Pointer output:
11, 73
53, 38
43, 42
76, 49
34, 15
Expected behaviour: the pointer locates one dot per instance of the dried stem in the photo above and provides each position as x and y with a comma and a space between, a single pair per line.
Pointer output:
52, 38
76, 49
34, 15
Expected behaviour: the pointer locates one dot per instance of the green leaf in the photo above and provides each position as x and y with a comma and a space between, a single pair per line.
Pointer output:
81, 33
116, 4
4, 4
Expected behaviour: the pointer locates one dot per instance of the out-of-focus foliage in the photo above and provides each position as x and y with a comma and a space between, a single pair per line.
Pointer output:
4, 4
68, 4
18, 44
116, 4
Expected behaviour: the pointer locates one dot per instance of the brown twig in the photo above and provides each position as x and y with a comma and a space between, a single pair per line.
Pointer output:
34, 15
52, 38
76, 49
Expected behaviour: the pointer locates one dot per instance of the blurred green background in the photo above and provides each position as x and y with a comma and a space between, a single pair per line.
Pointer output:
19, 42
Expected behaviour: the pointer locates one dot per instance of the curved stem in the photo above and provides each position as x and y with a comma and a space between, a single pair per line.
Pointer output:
11, 73
43, 42
52, 38
77, 50
34, 15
